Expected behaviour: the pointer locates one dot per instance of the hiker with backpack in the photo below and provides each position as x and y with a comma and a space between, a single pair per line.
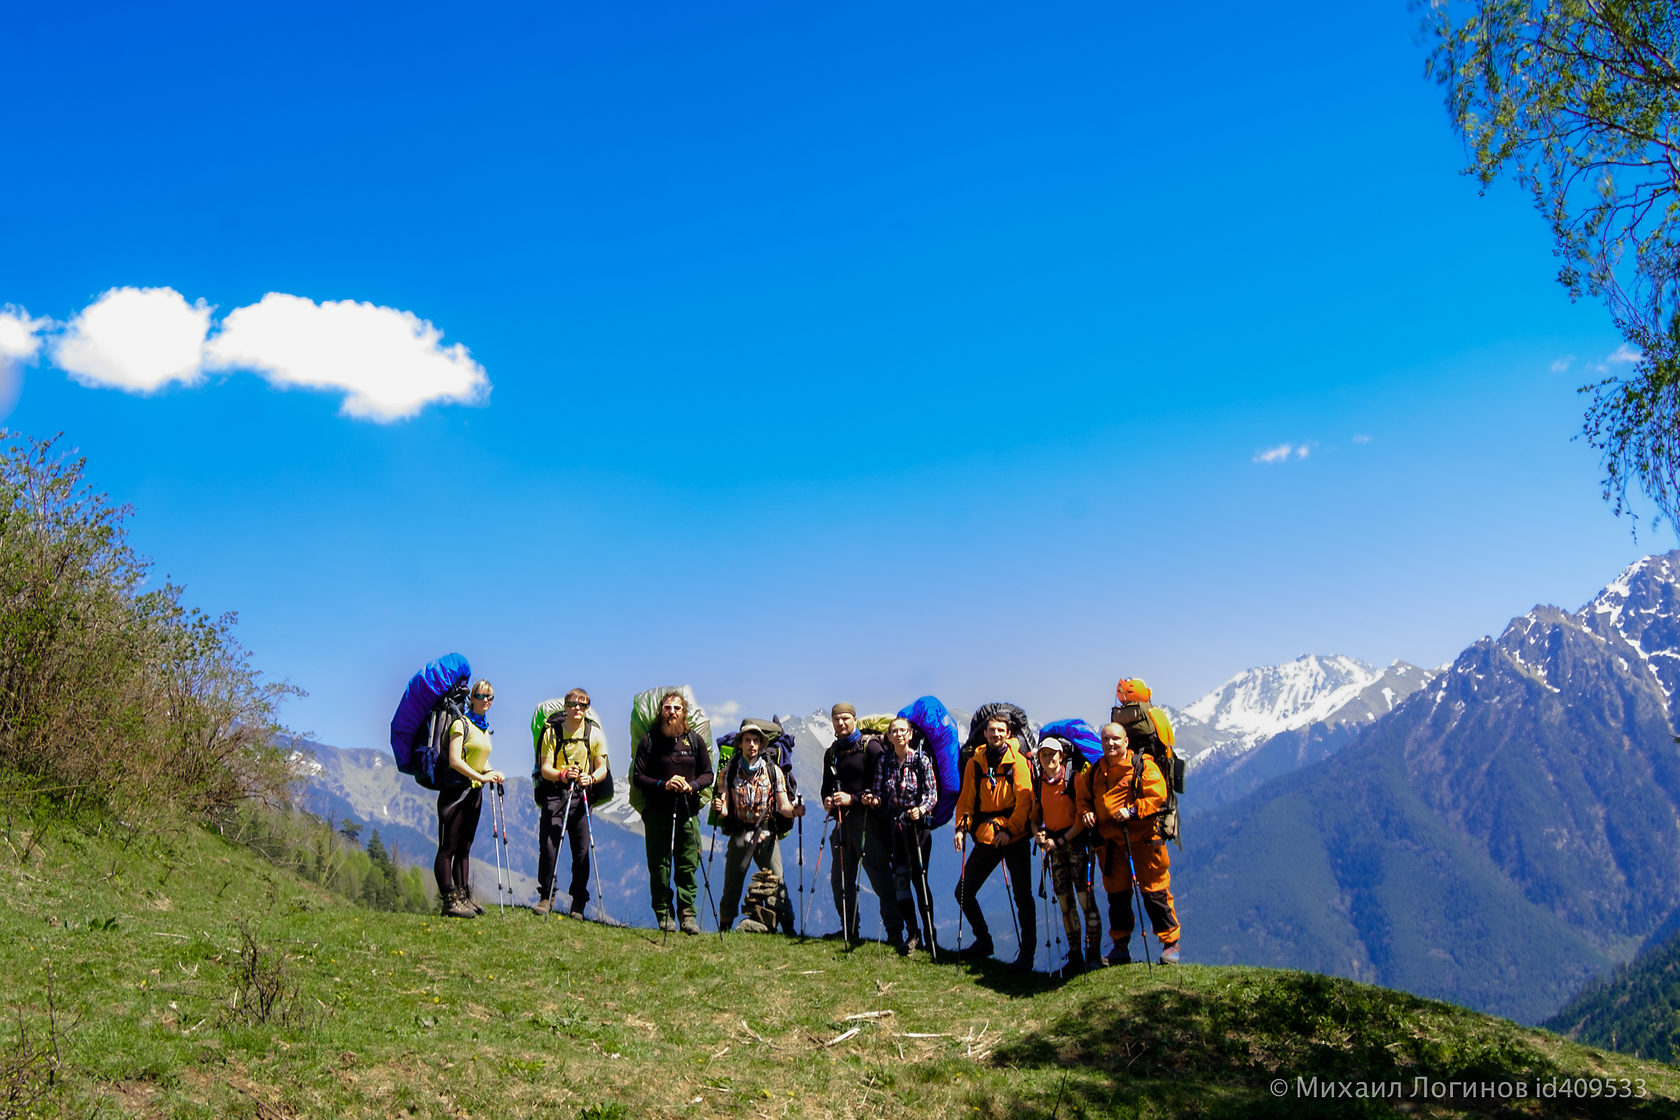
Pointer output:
571, 757
752, 793
995, 808
1123, 797
848, 773
461, 800
1061, 835
672, 766
905, 791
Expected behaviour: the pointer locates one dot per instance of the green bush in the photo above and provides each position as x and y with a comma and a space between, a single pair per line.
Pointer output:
110, 692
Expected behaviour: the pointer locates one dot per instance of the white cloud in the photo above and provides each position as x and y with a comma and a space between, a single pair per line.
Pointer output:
1625, 354
390, 363
1282, 453
1362, 438
20, 336
727, 712
1562, 364
137, 339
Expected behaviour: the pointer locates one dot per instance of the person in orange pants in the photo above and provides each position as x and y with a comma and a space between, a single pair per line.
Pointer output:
1119, 797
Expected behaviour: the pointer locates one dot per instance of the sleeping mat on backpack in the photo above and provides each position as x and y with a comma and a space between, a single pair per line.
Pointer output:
644, 716
424, 690
939, 736
1077, 732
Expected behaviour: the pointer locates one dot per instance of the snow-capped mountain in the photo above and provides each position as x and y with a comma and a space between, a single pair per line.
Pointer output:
1259, 704
1505, 832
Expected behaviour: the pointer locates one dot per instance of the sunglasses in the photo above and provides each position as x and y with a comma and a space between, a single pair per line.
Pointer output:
482, 696
577, 703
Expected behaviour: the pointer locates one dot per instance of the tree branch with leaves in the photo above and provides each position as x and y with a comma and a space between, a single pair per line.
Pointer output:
1579, 102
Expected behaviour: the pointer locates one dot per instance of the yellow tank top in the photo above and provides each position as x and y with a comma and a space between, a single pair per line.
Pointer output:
475, 748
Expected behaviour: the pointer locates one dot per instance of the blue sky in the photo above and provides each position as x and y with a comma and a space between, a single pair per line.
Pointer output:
817, 353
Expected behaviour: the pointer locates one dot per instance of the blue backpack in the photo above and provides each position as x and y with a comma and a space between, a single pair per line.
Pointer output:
435, 698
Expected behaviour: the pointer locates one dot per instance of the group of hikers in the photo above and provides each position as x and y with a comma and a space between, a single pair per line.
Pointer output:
1111, 816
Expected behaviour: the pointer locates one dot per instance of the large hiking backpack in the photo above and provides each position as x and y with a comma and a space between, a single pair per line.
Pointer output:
644, 717
938, 734
778, 749
435, 698
1149, 730
552, 712
1019, 729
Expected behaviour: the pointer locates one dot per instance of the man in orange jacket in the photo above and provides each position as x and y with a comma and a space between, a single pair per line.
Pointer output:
995, 807
1119, 796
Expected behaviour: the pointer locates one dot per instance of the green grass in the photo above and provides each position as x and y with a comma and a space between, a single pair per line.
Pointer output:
157, 958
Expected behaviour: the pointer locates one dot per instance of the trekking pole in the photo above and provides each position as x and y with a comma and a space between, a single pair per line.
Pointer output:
848, 891
716, 920
816, 874
927, 895
600, 898
962, 887
706, 869
495, 848
799, 823
1137, 897
504, 887
554, 881
1014, 915
665, 933
1044, 873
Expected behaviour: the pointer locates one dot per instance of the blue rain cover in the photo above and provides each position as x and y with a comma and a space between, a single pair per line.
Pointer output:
928, 716
424, 690
1077, 732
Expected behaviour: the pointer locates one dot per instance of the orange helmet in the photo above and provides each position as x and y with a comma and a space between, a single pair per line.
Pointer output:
1132, 692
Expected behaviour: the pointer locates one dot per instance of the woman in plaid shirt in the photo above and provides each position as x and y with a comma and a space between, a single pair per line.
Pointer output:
905, 791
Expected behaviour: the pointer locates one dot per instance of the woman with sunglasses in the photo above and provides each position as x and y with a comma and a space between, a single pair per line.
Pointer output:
460, 800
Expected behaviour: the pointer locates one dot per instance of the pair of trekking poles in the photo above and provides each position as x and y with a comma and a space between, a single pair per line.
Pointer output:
848, 891
573, 790
499, 840
848, 922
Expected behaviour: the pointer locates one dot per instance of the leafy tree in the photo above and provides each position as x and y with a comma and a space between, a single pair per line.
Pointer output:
1579, 101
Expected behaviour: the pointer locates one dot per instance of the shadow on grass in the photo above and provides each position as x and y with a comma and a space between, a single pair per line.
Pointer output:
1218, 1049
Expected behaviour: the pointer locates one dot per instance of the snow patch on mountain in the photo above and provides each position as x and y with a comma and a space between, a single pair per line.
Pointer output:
1255, 706
1265, 701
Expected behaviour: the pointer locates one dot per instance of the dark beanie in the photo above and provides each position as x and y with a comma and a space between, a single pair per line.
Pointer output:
836, 711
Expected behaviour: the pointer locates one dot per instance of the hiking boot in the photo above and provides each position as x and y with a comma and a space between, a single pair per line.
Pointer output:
690, 923
1075, 963
459, 906
1025, 959
979, 949
577, 912
667, 923
1169, 953
544, 908
911, 944
466, 896
1119, 955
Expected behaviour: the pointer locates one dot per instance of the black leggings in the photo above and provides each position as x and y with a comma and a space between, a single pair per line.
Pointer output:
458, 810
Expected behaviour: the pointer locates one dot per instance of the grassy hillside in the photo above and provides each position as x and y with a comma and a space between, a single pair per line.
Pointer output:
180, 976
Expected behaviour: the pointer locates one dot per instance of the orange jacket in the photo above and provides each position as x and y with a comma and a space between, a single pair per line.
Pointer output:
1057, 809
1133, 781
1002, 799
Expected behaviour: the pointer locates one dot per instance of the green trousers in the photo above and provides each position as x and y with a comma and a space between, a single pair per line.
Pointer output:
673, 848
